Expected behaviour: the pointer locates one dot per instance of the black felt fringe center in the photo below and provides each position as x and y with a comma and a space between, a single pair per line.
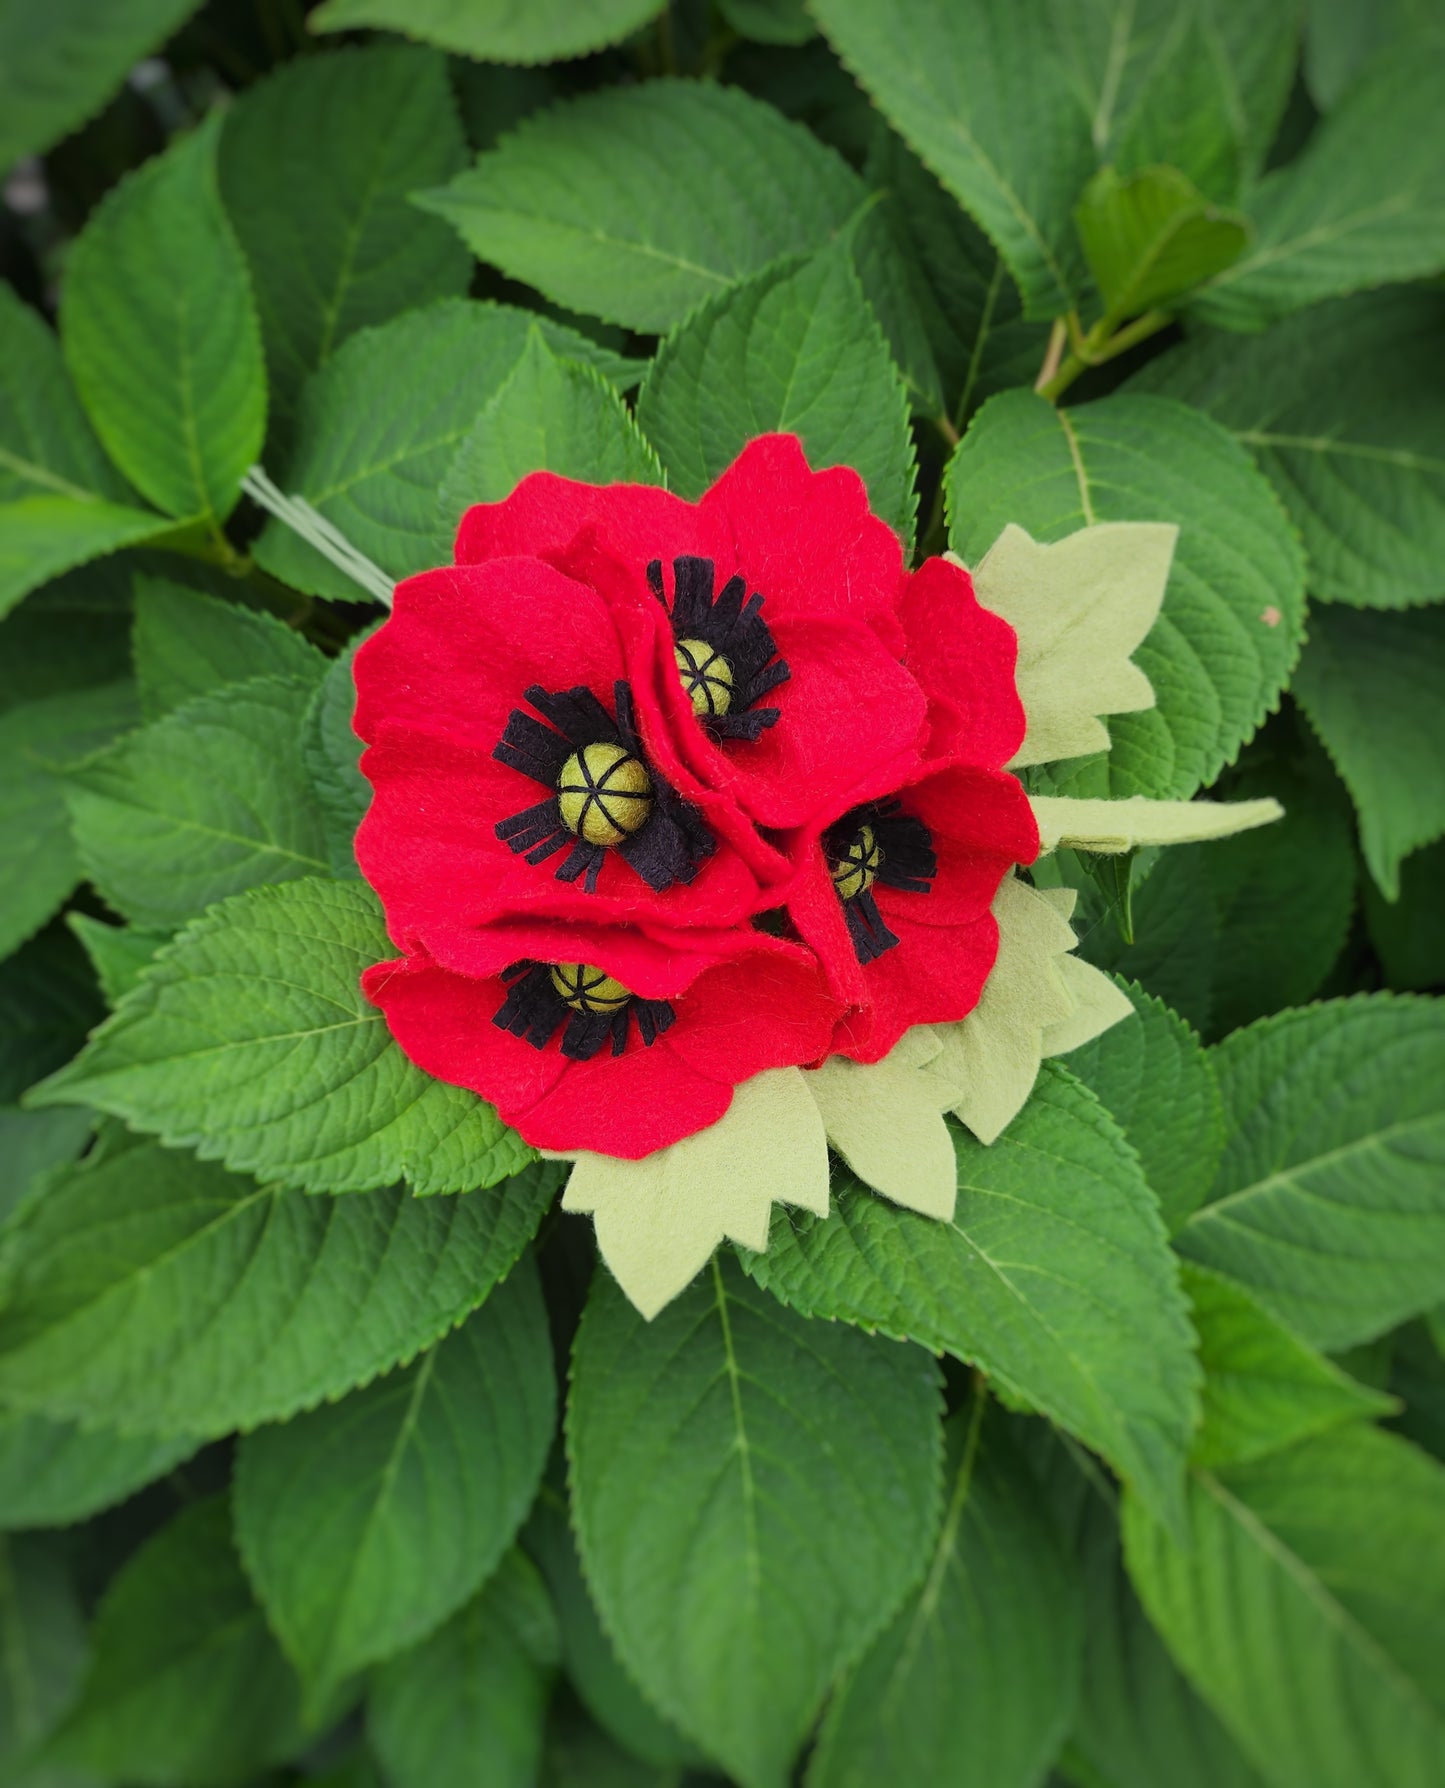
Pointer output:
731, 622
909, 863
669, 847
534, 1011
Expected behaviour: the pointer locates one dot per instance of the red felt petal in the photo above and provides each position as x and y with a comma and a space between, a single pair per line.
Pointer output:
981, 824
428, 845
965, 658
768, 1008
464, 643
627, 1105
545, 513
817, 912
806, 539
658, 965
934, 975
443, 1023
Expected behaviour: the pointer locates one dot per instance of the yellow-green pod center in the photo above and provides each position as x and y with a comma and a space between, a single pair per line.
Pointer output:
706, 676
588, 989
856, 870
604, 794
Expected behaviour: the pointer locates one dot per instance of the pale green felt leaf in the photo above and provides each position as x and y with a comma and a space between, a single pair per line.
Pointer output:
980, 91
794, 349
470, 1703
551, 415
754, 1495
1264, 1389
1308, 1607
1370, 685
138, 1288
637, 203
1199, 84
1054, 1277
660, 1219
496, 30
160, 334
588, 1656
1098, 1006
56, 1472
319, 192
1362, 205
1080, 608
46, 1651
373, 444
365, 1523
1106, 827
1152, 237
1343, 408
43, 536
1157, 1083
983, 1662
187, 1686
967, 304
1139, 1724
203, 803
250, 1040
118, 953
187, 644
60, 63
1330, 1201
47, 446
1233, 613
38, 861
331, 753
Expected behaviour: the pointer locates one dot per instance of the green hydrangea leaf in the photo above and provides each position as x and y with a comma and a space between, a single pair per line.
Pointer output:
1151, 237
56, 1472
1329, 1205
1306, 1605
1362, 205
250, 1040
365, 1523
378, 427
320, 198
1264, 1389
1233, 614
1343, 409
754, 1495
187, 644
59, 65
470, 1703
118, 953
1407, 934
187, 1686
496, 30
794, 349
46, 1651
979, 89
1154, 1078
160, 334
203, 803
1054, 1227
551, 415
983, 1661
38, 861
43, 536
596, 203
1370, 684
138, 1287
331, 753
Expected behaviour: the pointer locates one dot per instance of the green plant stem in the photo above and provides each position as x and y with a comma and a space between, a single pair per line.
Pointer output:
1098, 347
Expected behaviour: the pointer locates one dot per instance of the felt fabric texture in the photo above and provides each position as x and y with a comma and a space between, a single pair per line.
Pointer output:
659, 1220
886, 1121
994, 1053
741, 1003
1080, 608
964, 659
1098, 1005
1108, 827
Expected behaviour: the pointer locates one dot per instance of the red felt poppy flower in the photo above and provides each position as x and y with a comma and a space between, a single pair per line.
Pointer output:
776, 677
602, 1038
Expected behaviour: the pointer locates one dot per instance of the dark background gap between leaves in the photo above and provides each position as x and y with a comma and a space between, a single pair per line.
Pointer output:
284, 1484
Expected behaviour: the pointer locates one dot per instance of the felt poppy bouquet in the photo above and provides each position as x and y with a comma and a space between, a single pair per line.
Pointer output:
698, 827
